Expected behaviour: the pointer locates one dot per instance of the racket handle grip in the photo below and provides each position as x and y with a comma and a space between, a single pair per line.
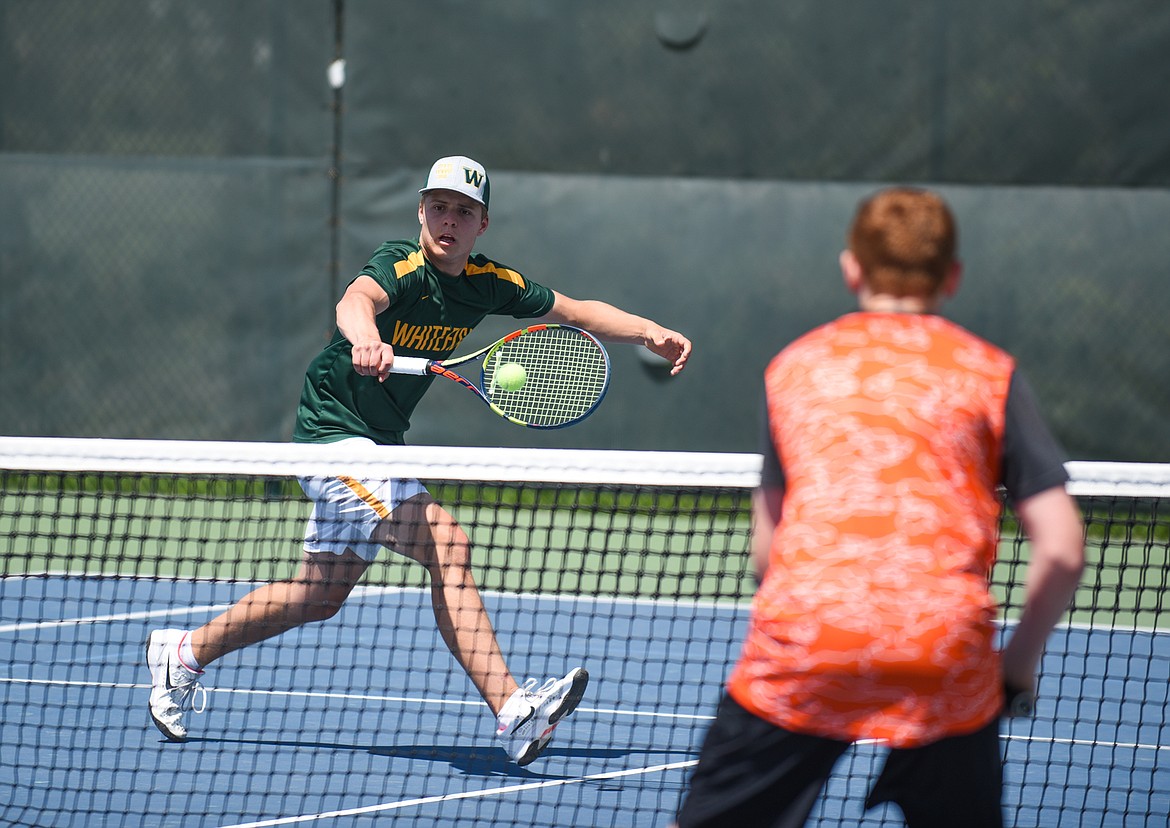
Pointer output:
410, 365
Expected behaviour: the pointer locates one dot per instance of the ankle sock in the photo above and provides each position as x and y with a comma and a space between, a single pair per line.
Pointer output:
187, 655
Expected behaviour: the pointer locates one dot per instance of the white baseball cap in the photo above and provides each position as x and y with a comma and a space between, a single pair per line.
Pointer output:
461, 174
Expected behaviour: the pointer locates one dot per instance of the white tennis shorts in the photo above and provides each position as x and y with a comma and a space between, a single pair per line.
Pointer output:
347, 510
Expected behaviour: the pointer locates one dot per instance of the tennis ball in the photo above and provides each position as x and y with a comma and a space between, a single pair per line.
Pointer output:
511, 376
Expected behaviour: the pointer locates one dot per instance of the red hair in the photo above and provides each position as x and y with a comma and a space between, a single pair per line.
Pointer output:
905, 241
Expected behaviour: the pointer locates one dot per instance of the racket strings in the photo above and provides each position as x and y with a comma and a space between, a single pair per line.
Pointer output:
567, 374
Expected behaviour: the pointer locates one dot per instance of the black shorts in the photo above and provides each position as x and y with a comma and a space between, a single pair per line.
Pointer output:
753, 774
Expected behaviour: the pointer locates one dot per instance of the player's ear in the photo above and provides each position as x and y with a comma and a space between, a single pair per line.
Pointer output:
850, 270
420, 212
950, 285
483, 224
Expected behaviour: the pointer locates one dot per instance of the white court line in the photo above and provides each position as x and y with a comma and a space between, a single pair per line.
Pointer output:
1053, 740
103, 619
429, 800
307, 694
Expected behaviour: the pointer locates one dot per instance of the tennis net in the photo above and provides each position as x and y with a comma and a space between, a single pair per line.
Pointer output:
633, 565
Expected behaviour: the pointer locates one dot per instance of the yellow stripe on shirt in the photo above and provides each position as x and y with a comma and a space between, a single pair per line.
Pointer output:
408, 265
500, 273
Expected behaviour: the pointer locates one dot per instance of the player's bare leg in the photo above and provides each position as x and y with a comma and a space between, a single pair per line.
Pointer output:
422, 530
315, 593
525, 716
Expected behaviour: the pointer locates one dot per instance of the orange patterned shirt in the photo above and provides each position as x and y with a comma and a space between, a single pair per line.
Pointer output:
874, 620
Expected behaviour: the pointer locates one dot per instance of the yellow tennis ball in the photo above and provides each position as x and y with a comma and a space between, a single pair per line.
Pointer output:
511, 376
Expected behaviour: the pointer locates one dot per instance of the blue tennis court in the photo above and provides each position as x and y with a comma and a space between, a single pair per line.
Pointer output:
366, 718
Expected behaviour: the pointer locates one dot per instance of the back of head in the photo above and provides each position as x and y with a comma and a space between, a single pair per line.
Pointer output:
905, 241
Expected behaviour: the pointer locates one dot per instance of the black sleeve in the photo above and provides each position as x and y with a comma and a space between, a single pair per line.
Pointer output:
1033, 460
772, 475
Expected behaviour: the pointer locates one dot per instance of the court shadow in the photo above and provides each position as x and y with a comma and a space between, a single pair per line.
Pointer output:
493, 761
473, 760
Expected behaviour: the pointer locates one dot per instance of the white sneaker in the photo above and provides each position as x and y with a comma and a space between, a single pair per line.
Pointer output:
174, 689
527, 721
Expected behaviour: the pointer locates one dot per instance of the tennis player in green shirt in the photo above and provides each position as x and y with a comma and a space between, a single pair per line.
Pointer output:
413, 298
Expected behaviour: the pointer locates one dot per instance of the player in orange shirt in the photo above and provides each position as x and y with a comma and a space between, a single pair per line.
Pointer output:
889, 432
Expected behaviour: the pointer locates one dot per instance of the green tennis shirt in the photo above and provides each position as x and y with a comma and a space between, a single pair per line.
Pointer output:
429, 314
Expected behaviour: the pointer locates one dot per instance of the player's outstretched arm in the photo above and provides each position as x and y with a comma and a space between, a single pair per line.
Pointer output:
616, 325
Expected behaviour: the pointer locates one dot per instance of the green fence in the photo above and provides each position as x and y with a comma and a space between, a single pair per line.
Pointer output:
183, 194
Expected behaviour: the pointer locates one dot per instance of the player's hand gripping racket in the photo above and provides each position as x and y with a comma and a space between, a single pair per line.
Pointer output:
1018, 702
544, 376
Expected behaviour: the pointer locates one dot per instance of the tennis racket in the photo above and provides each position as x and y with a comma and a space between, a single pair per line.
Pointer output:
552, 375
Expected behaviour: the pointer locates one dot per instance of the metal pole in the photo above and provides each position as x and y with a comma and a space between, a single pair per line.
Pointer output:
337, 83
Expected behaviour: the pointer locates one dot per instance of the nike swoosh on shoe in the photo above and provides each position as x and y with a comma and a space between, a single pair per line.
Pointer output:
519, 723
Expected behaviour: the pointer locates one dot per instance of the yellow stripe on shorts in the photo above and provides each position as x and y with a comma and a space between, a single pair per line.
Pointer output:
365, 494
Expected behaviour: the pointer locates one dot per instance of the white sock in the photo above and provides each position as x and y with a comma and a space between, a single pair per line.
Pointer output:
187, 655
